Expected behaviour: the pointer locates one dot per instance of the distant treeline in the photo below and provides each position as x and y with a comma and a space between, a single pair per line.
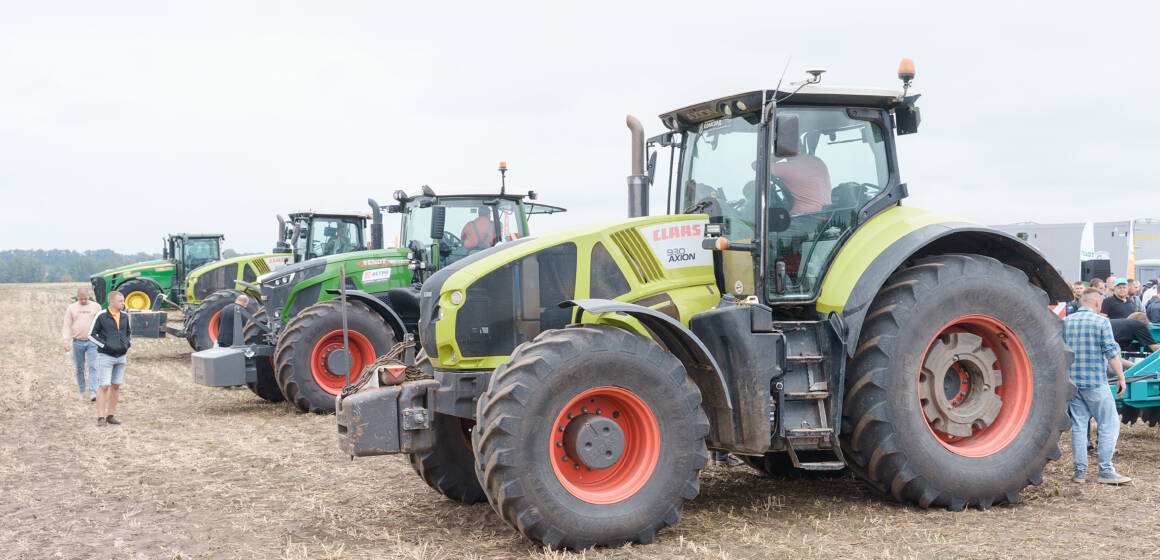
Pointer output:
58, 265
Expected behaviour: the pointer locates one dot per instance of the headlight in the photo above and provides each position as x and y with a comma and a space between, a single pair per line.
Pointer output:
456, 297
282, 280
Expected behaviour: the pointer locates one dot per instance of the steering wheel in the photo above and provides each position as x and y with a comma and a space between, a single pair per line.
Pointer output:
779, 195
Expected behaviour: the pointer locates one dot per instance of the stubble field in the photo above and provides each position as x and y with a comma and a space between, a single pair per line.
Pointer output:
196, 472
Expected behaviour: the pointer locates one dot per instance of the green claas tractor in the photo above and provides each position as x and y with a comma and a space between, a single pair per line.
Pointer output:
294, 346
788, 309
306, 235
144, 283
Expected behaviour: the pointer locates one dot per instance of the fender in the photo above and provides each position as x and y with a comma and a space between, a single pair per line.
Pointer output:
155, 283
946, 237
392, 319
675, 337
250, 289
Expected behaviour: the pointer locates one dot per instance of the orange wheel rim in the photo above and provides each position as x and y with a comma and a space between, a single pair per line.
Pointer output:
215, 323
636, 463
975, 386
362, 352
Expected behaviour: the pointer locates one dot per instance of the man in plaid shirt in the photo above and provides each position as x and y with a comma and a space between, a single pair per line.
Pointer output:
1090, 336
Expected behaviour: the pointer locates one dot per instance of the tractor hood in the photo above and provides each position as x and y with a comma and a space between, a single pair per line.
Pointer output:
475, 311
208, 278
134, 269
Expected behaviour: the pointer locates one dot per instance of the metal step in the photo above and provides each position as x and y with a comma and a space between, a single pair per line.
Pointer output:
807, 395
823, 466
805, 359
808, 432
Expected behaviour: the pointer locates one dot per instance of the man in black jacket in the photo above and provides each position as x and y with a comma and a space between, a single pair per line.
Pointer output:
110, 332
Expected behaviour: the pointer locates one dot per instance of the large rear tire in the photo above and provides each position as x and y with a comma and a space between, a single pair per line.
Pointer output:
449, 467
958, 390
139, 294
550, 457
301, 359
205, 321
266, 386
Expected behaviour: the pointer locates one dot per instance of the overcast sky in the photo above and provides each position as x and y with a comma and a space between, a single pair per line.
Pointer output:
121, 121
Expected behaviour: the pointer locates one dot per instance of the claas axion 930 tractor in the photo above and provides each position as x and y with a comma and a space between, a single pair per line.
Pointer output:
788, 309
294, 348
202, 284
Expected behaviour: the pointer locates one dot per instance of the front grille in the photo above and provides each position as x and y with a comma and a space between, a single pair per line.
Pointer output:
99, 290
306, 297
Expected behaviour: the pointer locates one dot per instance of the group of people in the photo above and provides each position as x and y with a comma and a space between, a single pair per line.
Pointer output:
99, 340
1107, 317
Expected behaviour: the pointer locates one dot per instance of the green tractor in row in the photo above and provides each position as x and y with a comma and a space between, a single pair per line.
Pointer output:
304, 343
788, 309
144, 283
193, 278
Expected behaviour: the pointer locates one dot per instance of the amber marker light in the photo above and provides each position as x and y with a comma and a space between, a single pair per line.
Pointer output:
722, 243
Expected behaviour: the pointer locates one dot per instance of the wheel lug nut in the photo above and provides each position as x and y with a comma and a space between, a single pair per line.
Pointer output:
564, 458
575, 467
570, 416
616, 414
584, 409
598, 412
560, 443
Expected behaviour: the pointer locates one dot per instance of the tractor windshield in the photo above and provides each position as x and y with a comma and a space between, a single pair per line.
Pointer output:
331, 236
199, 251
472, 224
841, 165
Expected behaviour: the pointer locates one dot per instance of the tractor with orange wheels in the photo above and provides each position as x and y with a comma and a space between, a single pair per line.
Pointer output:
788, 308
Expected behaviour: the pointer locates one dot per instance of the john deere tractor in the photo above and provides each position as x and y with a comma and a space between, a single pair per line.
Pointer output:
306, 235
788, 309
294, 347
142, 283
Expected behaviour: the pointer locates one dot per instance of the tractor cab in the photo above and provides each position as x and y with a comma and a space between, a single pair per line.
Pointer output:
189, 251
442, 229
827, 165
310, 234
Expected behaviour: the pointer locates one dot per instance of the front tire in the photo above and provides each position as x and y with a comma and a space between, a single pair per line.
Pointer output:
205, 321
575, 391
958, 391
449, 467
300, 361
139, 294
267, 385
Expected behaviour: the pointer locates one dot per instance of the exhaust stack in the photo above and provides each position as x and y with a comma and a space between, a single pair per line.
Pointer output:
281, 246
638, 181
376, 224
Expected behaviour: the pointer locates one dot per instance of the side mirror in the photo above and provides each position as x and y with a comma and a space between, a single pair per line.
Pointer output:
438, 221
652, 167
785, 141
907, 119
778, 219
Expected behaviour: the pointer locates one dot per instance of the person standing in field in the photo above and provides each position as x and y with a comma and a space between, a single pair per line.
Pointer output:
1091, 337
226, 320
78, 318
111, 333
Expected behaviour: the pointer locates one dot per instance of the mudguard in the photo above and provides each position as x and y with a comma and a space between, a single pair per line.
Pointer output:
863, 265
677, 339
392, 319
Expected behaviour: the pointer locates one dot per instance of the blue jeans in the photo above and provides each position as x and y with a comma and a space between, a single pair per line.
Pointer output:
1095, 403
85, 355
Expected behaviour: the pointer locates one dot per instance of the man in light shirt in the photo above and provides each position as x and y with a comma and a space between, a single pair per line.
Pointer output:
78, 317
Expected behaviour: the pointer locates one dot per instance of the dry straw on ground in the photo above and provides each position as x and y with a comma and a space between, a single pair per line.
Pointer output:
196, 472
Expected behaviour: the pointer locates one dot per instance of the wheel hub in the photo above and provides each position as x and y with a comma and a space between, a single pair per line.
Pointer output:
596, 442
338, 360
957, 385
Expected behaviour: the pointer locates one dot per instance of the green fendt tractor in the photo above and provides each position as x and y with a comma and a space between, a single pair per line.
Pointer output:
306, 235
294, 347
788, 309
143, 283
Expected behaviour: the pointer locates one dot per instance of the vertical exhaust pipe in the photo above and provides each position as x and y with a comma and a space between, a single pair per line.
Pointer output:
638, 181
280, 245
376, 224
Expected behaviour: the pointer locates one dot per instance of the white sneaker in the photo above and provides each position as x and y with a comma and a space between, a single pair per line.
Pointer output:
1116, 479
